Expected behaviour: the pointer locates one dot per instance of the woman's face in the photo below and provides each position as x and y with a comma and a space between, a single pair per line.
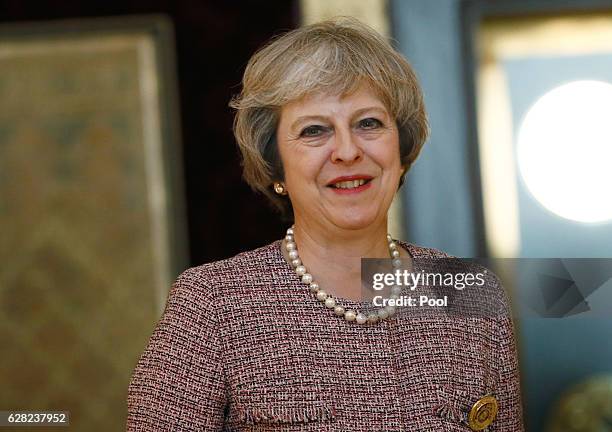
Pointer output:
341, 158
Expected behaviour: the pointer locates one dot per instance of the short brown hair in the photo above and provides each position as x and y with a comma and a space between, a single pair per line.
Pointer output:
334, 56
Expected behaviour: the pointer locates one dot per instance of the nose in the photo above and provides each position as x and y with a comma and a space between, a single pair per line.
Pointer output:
346, 148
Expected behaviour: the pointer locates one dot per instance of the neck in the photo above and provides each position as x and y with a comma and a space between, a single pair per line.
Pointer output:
339, 244
333, 255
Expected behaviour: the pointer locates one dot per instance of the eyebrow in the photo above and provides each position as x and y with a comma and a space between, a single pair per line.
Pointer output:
360, 111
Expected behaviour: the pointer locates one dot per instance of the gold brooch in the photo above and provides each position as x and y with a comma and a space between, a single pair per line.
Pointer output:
483, 413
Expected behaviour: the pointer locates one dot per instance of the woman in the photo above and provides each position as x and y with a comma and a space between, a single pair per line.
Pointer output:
329, 120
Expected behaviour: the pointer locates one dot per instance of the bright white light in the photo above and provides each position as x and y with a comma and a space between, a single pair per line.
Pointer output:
565, 151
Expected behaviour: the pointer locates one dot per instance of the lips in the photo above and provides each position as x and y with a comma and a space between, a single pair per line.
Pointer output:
350, 181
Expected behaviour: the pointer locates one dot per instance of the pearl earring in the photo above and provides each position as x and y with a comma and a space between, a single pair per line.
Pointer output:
279, 188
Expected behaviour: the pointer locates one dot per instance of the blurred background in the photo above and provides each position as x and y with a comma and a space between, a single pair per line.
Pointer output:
118, 170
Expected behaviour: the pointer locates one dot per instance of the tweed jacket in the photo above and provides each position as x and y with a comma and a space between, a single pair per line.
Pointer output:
243, 345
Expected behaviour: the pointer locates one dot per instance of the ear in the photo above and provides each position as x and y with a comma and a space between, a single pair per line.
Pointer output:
402, 176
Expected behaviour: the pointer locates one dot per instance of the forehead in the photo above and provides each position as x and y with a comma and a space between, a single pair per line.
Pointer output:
328, 103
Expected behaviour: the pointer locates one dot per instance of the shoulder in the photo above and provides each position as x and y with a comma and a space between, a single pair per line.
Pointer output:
417, 251
228, 275
490, 295
244, 266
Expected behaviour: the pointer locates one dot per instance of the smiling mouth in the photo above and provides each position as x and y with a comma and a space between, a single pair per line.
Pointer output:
350, 184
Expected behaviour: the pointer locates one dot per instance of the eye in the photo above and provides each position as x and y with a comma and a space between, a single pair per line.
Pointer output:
370, 123
312, 131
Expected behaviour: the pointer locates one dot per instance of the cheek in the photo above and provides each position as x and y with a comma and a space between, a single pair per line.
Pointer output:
303, 166
387, 155
394, 155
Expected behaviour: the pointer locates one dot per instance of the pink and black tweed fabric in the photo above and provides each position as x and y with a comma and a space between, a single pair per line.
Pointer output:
243, 345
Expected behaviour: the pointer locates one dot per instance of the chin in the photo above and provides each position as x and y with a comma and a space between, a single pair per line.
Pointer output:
354, 221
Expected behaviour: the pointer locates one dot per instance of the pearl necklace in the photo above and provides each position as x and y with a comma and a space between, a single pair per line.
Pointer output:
329, 302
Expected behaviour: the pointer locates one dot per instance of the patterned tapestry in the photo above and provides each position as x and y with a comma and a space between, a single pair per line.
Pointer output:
83, 221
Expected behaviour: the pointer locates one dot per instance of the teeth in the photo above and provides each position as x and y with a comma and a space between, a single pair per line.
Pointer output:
349, 184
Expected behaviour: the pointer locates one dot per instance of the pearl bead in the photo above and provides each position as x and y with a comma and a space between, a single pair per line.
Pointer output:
350, 315
329, 301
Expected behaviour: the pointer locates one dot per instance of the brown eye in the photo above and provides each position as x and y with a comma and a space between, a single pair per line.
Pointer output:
312, 131
370, 123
